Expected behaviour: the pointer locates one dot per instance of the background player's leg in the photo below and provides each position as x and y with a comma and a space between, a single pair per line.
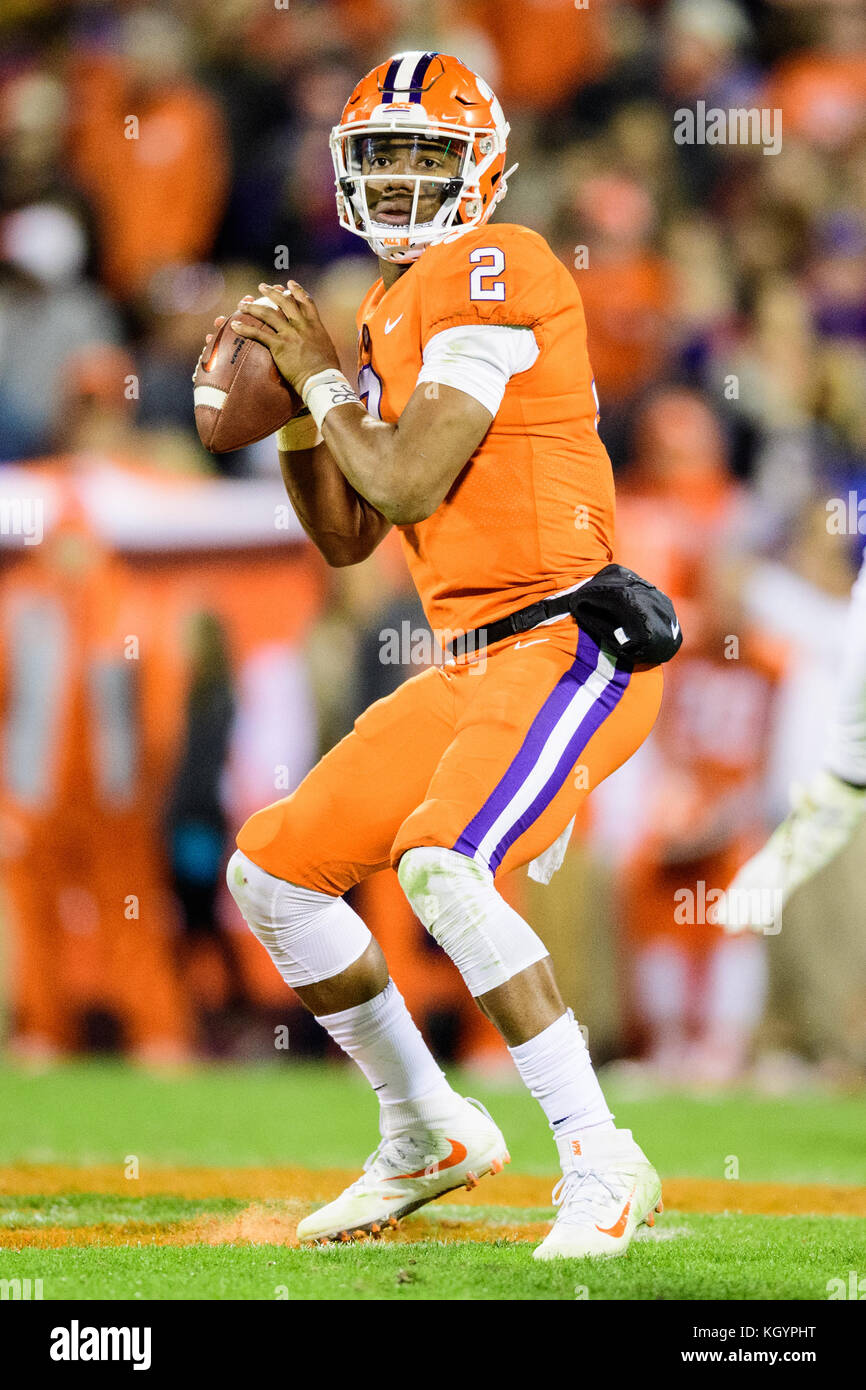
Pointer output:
827, 813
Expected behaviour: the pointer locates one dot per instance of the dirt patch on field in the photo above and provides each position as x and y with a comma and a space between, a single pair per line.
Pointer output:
278, 1197
258, 1224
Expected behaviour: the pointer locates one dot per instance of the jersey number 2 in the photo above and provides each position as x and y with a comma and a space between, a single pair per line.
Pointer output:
489, 262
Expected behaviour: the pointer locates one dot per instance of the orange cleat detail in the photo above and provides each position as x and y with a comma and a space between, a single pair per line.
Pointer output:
471, 1181
650, 1221
344, 1236
393, 1222
618, 1227
375, 1229
496, 1165
660, 1206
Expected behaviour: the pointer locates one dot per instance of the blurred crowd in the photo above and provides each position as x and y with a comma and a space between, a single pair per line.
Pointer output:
158, 160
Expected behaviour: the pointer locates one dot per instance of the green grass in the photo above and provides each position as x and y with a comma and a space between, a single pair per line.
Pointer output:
324, 1117
22, 1213
710, 1257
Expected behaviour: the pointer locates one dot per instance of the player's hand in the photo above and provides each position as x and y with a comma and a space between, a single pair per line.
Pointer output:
292, 332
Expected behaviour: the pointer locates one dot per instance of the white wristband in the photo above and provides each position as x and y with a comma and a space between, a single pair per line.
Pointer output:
301, 432
325, 390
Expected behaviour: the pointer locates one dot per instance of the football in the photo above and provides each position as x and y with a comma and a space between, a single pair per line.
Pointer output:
239, 396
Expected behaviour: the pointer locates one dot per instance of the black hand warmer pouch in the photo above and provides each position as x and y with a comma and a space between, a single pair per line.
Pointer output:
627, 617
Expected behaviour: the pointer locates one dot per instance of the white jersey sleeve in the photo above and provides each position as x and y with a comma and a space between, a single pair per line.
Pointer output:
479, 359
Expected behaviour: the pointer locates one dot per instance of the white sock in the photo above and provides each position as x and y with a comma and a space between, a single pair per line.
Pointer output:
555, 1066
383, 1039
846, 736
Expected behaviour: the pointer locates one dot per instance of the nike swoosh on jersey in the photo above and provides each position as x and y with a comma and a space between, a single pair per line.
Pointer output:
389, 325
457, 1155
531, 644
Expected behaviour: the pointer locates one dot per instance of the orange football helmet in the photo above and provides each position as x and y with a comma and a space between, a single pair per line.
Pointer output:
417, 110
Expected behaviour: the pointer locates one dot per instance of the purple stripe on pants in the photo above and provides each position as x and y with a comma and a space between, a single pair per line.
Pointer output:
554, 707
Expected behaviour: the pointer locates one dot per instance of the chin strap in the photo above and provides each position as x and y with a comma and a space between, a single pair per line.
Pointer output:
407, 256
503, 182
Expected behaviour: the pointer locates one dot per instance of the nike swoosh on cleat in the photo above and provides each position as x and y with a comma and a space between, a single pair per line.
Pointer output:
618, 1227
457, 1155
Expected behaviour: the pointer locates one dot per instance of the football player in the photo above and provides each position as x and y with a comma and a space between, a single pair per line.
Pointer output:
473, 431
827, 813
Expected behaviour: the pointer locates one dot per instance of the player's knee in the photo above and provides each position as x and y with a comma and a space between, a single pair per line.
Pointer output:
458, 903
310, 936
434, 878
245, 883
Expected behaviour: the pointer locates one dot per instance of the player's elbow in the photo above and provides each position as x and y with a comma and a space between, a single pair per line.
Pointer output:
340, 554
340, 551
406, 516
341, 559
408, 508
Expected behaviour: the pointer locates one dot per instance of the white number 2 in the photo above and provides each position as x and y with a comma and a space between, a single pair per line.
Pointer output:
489, 261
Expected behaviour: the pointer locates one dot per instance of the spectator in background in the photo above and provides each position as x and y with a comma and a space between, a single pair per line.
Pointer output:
546, 48
703, 47
47, 300
822, 89
625, 285
98, 415
307, 213
47, 305
197, 829
148, 144
174, 312
694, 801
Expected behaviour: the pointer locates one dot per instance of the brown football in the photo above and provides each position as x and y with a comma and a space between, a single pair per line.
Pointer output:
239, 395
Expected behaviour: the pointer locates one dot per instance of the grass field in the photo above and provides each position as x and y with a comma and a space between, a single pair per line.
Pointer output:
121, 1185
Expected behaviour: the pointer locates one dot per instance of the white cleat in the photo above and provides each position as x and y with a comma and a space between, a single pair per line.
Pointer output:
824, 819
409, 1170
608, 1189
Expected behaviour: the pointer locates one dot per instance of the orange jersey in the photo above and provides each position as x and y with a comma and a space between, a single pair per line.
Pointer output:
532, 512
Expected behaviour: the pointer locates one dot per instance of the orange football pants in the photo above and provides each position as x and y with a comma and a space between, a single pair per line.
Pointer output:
491, 756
